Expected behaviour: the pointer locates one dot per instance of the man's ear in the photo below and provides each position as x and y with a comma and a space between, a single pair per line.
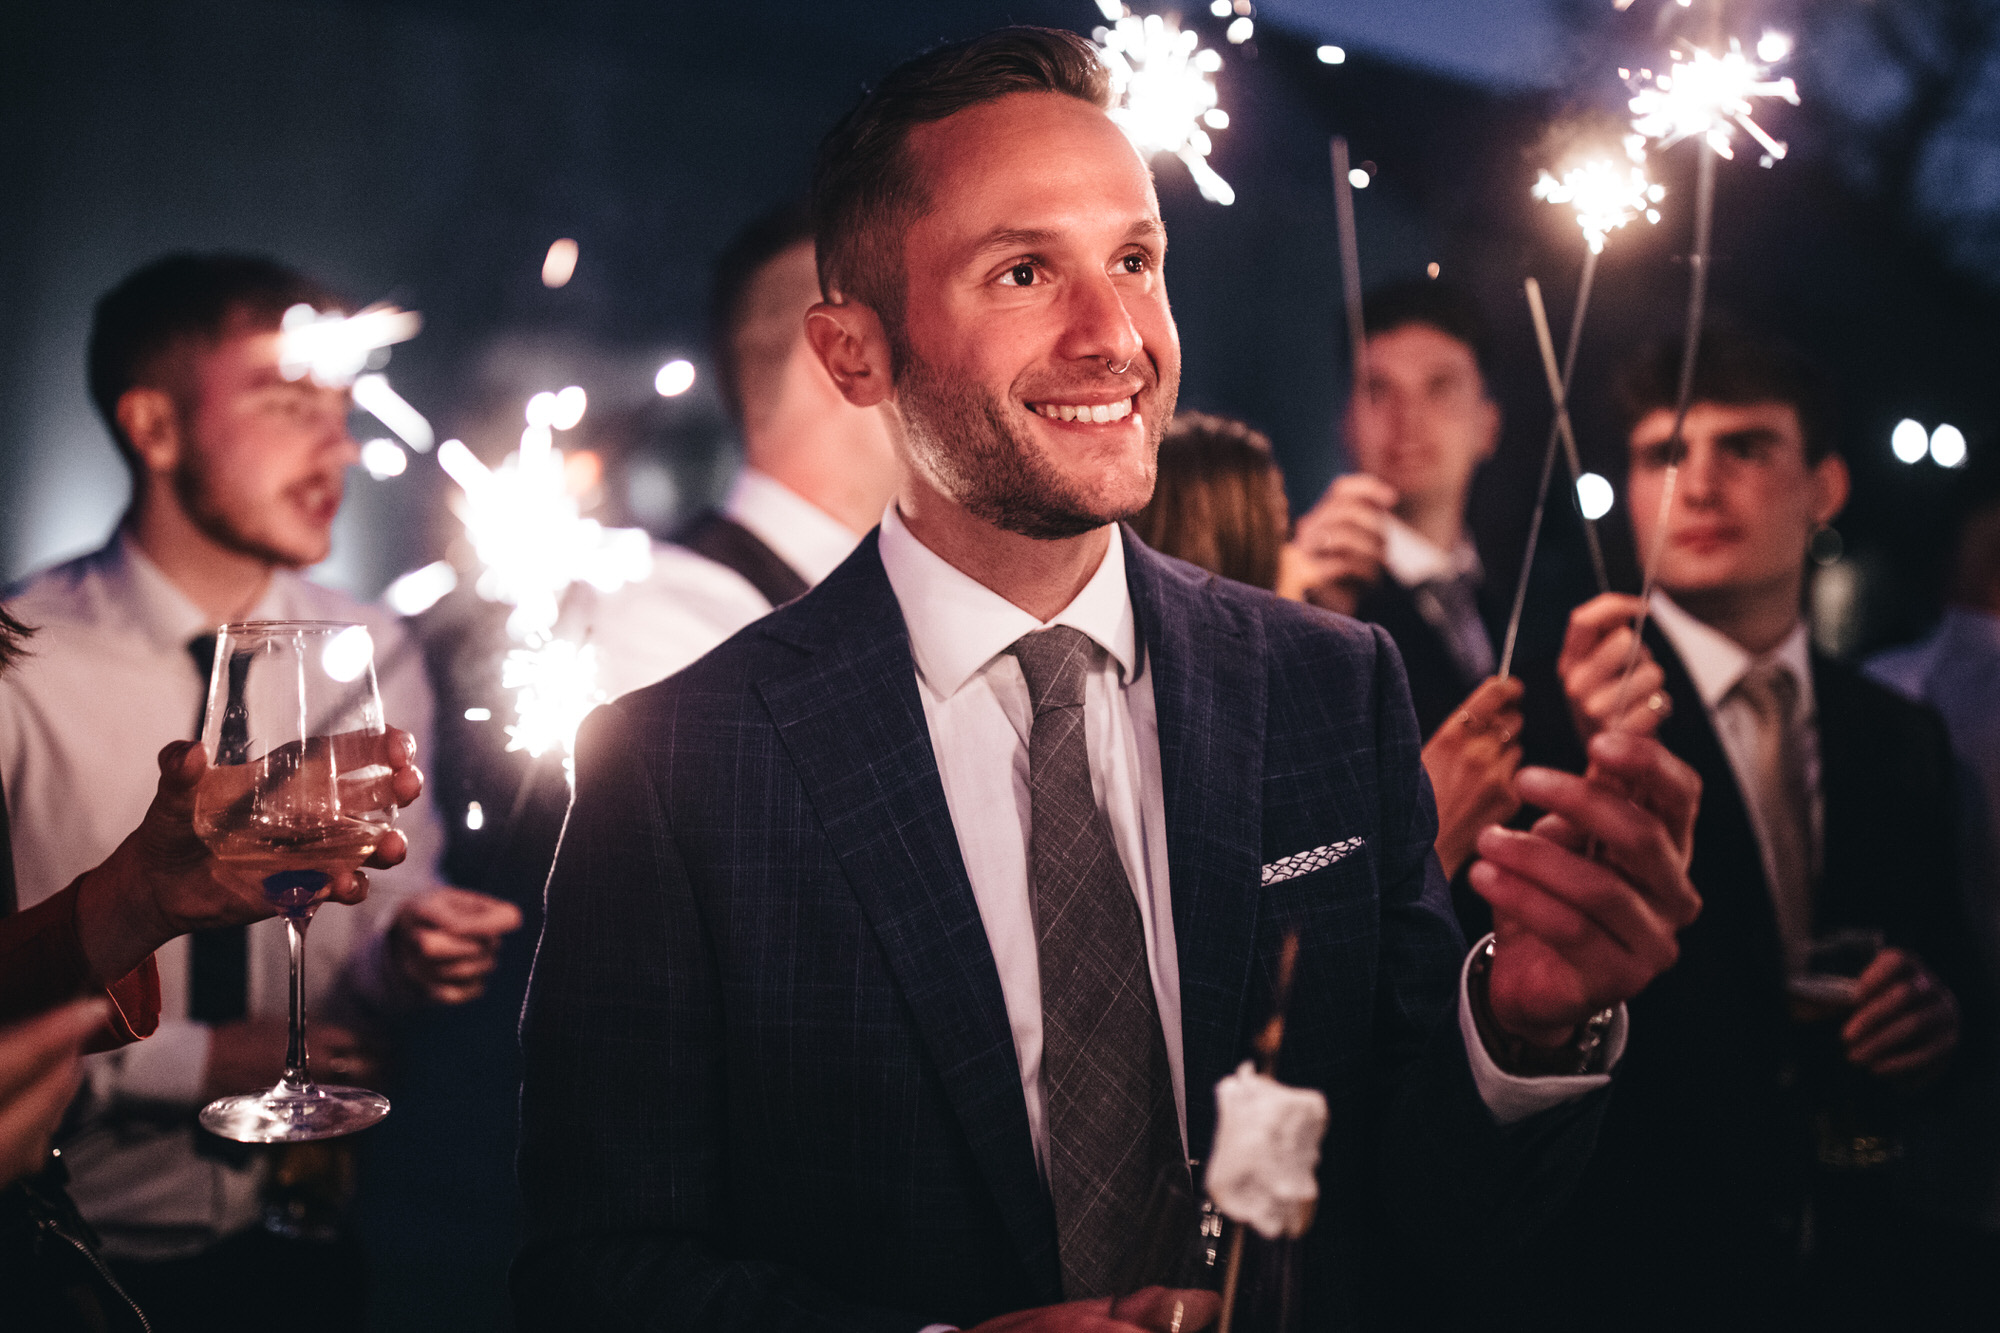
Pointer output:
1831, 483
850, 342
1493, 421
151, 420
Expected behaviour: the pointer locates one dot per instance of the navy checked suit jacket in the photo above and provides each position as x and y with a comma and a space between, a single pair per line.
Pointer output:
769, 1079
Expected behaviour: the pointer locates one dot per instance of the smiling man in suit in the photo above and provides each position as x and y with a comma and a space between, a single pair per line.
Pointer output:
894, 949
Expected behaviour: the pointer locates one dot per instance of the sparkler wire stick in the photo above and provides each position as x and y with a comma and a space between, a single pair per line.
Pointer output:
1266, 1045
1561, 433
1704, 227
1350, 258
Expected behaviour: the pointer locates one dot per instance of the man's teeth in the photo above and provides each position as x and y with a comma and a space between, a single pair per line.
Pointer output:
1101, 412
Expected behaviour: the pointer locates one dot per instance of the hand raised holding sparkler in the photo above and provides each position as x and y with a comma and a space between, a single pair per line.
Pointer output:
1575, 933
1343, 538
1592, 667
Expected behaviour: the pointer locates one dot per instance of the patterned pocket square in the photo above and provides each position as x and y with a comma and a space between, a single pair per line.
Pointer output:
1304, 863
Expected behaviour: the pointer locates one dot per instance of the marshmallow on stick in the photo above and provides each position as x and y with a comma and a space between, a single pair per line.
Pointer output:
1267, 1137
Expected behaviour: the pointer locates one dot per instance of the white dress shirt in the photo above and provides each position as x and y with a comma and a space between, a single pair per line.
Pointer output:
106, 682
1715, 663
975, 701
646, 631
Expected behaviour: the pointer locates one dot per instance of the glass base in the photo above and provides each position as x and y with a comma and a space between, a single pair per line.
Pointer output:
293, 1113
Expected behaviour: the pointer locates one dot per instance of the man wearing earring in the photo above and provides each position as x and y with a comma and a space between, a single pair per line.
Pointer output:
1729, 1160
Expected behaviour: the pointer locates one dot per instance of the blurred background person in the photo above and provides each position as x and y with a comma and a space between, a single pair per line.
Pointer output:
1743, 1177
1389, 544
237, 474
817, 472
1219, 502
1956, 667
96, 939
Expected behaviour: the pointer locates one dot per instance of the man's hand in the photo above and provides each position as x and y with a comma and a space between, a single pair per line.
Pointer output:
1471, 762
1592, 666
1573, 935
445, 941
1148, 1311
248, 1055
37, 1078
163, 881
1343, 536
1905, 1021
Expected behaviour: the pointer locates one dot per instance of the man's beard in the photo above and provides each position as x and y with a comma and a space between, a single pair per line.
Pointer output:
197, 487
966, 440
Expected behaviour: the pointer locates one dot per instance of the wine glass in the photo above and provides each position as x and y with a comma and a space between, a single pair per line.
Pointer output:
295, 794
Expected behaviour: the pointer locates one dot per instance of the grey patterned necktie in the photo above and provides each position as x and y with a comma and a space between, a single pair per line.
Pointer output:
1783, 803
1112, 1124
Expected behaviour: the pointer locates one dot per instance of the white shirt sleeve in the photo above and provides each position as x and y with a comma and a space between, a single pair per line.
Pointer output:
1511, 1097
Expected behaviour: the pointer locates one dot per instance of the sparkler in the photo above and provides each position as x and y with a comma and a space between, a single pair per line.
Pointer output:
1607, 196
1705, 97
1163, 96
334, 348
533, 542
1710, 97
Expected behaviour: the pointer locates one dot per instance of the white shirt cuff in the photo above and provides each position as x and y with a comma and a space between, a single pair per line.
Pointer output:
168, 1067
1511, 1097
939, 1328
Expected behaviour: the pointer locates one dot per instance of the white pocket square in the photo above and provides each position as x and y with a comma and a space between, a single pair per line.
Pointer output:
1304, 863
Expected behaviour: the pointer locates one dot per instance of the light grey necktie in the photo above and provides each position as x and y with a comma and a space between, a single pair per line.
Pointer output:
1772, 693
1112, 1124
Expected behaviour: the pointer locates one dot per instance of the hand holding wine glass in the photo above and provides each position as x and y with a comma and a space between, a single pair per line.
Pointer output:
299, 796
162, 881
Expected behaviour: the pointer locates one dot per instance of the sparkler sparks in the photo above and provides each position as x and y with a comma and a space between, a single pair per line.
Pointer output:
1605, 193
556, 687
1710, 97
334, 348
1164, 97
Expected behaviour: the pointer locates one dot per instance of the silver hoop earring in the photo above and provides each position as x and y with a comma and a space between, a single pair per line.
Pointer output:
1118, 370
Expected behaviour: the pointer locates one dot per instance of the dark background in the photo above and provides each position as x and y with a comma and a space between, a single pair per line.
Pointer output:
427, 152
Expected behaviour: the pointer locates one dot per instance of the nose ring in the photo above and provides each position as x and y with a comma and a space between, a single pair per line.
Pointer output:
1118, 370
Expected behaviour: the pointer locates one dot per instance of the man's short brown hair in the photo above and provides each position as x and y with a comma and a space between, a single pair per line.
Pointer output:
866, 194
1731, 367
177, 299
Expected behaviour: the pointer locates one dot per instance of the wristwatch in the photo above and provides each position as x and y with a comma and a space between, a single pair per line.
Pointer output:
1583, 1054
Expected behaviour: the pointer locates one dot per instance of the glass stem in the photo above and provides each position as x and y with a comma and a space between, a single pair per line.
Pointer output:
297, 1075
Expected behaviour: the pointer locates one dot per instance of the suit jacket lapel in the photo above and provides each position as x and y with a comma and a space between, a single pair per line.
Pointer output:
1209, 690
851, 720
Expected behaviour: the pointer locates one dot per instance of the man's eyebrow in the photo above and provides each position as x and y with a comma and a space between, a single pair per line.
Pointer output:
1038, 238
1749, 435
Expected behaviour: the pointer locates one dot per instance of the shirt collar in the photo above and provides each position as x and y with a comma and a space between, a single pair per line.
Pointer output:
162, 612
1715, 662
1414, 559
957, 624
166, 615
806, 537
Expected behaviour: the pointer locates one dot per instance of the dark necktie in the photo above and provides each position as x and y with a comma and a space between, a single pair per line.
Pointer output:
1112, 1125
1451, 605
218, 959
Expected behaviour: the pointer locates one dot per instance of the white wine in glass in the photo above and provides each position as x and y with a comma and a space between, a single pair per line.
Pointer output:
295, 795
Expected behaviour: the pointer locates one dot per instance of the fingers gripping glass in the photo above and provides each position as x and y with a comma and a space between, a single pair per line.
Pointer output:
297, 795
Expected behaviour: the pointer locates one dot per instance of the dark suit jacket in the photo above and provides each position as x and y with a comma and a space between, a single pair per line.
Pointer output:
1437, 683
1699, 1187
770, 1082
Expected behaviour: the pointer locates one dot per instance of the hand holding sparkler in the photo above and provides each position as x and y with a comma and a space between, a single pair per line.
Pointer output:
1344, 539
1472, 761
1576, 934
1601, 639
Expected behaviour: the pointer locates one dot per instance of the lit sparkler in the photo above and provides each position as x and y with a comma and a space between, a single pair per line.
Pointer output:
1607, 194
1710, 97
555, 684
334, 348
1164, 96
532, 542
